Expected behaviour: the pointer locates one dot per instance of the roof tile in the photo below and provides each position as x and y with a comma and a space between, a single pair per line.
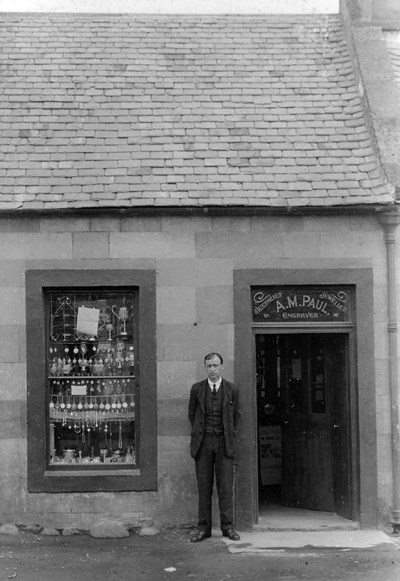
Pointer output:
122, 110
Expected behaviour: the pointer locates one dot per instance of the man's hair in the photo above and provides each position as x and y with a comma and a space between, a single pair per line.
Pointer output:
211, 355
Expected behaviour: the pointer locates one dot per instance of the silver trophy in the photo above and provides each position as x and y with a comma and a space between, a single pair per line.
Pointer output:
122, 315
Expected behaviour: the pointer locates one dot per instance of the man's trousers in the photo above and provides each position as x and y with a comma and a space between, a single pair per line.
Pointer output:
211, 459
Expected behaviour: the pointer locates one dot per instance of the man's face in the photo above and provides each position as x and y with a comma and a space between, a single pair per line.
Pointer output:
213, 368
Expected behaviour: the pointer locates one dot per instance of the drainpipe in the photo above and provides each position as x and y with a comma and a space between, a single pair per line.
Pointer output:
390, 221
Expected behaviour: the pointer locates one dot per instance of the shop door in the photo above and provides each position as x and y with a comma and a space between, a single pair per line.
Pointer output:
307, 479
301, 380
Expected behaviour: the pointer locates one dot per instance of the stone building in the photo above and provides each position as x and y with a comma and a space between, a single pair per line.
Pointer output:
172, 185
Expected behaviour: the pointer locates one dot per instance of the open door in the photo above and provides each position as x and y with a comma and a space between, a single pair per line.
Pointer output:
337, 372
302, 386
307, 476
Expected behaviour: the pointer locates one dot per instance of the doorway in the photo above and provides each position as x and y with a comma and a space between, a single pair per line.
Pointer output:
303, 421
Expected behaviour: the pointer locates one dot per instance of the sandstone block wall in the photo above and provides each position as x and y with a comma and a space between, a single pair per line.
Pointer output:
194, 258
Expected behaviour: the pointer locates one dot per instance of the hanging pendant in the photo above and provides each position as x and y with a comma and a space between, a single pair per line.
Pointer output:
120, 435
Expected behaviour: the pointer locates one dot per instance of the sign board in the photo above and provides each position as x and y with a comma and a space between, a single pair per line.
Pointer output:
269, 446
301, 304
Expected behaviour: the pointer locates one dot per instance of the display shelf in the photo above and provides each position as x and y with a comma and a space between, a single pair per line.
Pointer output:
81, 377
83, 416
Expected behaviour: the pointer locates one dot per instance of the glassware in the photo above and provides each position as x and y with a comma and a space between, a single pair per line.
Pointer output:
109, 328
122, 315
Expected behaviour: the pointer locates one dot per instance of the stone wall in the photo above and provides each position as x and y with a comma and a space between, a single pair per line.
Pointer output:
385, 12
195, 258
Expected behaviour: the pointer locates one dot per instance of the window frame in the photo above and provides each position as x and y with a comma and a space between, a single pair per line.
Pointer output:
142, 477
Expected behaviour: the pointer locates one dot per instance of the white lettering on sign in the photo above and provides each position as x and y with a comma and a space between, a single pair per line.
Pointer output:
336, 300
279, 306
265, 299
302, 301
300, 315
290, 303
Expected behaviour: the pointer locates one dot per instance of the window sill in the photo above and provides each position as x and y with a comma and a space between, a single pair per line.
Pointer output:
99, 473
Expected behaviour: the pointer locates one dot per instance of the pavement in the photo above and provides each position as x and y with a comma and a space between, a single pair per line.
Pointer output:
257, 542
288, 528
170, 556
285, 547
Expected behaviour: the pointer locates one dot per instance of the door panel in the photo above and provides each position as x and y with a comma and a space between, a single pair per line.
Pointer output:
307, 479
302, 392
338, 372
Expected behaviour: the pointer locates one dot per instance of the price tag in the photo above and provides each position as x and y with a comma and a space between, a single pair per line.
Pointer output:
78, 389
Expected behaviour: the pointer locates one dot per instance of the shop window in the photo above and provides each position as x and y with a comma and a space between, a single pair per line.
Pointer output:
91, 380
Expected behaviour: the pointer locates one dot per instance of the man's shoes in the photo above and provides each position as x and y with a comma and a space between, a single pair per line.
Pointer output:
200, 536
231, 534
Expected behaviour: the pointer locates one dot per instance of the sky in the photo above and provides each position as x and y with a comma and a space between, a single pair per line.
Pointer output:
174, 6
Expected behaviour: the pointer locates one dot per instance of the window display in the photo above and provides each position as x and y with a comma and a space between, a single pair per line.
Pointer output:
91, 380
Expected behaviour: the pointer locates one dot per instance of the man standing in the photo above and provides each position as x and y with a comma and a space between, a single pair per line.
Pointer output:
214, 414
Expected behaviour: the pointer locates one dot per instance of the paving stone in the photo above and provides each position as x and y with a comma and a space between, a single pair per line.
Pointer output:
69, 531
9, 529
50, 532
148, 532
35, 529
108, 529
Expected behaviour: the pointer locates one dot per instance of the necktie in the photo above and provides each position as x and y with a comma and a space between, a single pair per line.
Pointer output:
214, 389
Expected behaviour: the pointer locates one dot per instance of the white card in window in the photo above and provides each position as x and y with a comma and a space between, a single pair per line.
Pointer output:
88, 321
78, 389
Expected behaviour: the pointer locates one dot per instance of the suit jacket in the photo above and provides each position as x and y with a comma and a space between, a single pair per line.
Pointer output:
230, 415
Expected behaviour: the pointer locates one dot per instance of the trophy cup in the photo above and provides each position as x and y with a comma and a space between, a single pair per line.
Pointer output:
83, 362
109, 328
122, 315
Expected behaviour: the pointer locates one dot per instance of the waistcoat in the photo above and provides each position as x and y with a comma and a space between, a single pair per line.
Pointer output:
213, 411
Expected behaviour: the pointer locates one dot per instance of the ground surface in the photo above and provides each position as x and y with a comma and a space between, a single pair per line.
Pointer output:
170, 556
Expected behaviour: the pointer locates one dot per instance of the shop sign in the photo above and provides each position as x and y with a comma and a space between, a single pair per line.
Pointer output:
301, 304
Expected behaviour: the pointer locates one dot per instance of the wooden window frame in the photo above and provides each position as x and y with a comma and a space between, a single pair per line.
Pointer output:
144, 476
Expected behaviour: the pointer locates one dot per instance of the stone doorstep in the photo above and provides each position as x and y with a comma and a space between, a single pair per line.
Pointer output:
303, 520
258, 541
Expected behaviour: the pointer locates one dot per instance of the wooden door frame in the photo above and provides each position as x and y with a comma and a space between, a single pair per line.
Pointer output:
361, 396
348, 333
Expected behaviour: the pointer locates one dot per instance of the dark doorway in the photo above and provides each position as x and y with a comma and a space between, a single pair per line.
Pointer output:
303, 421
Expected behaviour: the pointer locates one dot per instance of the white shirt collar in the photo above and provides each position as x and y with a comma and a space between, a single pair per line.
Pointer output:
217, 383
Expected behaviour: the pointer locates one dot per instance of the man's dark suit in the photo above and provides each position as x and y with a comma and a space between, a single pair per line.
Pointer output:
214, 452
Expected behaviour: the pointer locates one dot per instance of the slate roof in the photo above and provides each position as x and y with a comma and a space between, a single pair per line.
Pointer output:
126, 111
